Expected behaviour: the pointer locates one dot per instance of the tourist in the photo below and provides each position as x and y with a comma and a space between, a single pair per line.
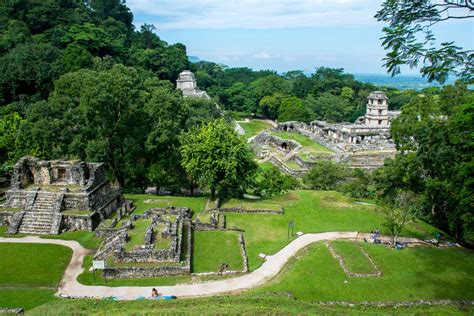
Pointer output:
371, 236
377, 232
154, 293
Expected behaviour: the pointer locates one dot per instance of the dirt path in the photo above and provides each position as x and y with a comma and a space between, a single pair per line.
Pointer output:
269, 269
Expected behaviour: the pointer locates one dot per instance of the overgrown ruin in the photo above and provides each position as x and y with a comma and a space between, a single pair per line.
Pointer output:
48, 197
363, 144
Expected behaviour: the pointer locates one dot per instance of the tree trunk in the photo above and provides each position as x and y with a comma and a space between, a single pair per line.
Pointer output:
191, 189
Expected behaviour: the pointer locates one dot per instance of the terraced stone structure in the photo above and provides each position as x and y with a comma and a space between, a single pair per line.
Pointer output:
363, 144
48, 197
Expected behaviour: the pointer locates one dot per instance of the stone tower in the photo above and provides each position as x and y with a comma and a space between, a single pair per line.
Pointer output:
187, 83
377, 110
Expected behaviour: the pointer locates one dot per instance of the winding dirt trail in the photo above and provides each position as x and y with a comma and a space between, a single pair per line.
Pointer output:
269, 269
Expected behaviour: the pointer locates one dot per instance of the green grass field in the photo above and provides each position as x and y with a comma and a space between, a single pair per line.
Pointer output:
354, 259
313, 275
410, 274
307, 143
144, 202
312, 212
231, 305
249, 204
254, 127
31, 265
137, 234
211, 249
26, 298
30, 273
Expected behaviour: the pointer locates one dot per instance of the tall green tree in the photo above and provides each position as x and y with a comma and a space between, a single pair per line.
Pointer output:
435, 162
410, 39
217, 158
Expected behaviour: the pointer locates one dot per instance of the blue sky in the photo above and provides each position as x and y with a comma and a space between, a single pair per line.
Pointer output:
281, 34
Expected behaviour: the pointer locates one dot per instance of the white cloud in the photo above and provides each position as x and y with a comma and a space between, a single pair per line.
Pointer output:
262, 55
253, 14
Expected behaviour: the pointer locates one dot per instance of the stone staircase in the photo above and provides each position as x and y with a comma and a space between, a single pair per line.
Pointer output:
39, 220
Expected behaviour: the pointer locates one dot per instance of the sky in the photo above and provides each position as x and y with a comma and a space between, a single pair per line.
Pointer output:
281, 35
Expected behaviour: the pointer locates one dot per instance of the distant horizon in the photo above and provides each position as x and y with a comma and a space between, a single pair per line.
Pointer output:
282, 35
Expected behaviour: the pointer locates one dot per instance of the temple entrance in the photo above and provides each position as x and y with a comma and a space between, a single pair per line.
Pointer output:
30, 178
61, 175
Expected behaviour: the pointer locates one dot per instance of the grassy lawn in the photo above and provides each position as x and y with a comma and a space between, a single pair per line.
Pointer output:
409, 274
30, 273
354, 259
160, 242
86, 239
231, 305
137, 234
250, 204
211, 249
32, 265
26, 298
254, 127
305, 141
144, 202
313, 212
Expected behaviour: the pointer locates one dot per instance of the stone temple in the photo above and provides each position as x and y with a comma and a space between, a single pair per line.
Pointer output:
187, 83
369, 132
47, 197
366, 143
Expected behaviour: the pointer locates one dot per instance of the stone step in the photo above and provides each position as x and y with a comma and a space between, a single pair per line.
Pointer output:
44, 209
37, 219
44, 201
34, 231
49, 218
39, 229
36, 222
44, 204
41, 212
27, 221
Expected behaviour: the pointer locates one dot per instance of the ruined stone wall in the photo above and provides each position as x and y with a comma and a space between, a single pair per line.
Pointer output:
145, 256
282, 166
81, 222
76, 201
19, 199
277, 142
5, 218
146, 272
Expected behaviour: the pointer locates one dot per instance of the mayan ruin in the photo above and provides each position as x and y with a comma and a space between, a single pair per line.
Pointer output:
48, 197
